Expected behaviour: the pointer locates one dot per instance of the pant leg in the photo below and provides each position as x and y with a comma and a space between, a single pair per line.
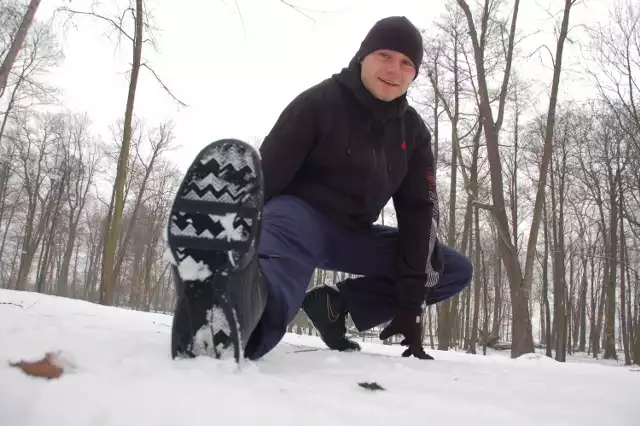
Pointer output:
456, 276
370, 253
371, 299
290, 247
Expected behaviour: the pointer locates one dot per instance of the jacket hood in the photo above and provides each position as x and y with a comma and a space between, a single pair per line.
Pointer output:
349, 77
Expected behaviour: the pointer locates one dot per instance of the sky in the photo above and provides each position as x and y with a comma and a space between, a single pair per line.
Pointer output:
235, 71
236, 64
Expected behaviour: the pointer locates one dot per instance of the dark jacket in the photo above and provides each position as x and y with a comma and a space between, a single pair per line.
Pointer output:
347, 153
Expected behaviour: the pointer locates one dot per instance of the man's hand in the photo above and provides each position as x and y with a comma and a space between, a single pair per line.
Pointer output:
407, 322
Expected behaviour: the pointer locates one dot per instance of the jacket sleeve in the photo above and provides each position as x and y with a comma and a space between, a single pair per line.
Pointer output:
288, 143
416, 205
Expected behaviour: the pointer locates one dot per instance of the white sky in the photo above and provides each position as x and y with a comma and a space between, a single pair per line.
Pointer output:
236, 79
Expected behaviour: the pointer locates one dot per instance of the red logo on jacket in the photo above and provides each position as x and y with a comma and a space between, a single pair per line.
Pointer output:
430, 177
404, 145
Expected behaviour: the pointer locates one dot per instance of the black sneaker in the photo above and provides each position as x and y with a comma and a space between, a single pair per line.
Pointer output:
326, 311
212, 236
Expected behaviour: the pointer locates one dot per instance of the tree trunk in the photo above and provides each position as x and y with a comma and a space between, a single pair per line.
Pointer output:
467, 320
107, 284
430, 313
582, 307
32, 237
6, 228
632, 332
485, 289
623, 295
63, 288
559, 285
136, 274
545, 285
514, 177
436, 116
14, 261
570, 309
476, 285
593, 308
52, 230
610, 300
43, 248
601, 304
16, 44
75, 212
74, 280
148, 263
497, 286
636, 332
448, 308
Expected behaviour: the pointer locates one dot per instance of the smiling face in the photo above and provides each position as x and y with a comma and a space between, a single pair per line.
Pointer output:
387, 74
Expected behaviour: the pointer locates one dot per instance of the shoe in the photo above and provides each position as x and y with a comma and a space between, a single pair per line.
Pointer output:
212, 236
326, 310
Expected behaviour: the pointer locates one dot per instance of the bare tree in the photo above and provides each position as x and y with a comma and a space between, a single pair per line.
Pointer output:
159, 140
612, 144
58, 175
558, 185
615, 47
546, 308
26, 87
92, 245
477, 283
626, 338
113, 225
11, 189
520, 283
163, 184
449, 72
83, 159
35, 144
17, 43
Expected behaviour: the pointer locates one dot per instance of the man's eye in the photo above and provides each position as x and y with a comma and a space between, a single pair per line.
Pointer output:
384, 55
408, 64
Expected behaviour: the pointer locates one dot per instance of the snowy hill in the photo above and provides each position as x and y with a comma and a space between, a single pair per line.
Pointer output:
118, 372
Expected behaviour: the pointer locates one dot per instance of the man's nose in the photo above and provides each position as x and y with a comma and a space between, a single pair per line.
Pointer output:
393, 67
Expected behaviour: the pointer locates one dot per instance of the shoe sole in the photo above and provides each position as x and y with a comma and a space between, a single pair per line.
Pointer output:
212, 231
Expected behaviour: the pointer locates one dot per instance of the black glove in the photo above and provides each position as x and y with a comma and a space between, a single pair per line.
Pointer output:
407, 322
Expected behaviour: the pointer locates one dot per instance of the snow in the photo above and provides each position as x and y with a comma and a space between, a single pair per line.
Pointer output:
191, 270
118, 372
230, 231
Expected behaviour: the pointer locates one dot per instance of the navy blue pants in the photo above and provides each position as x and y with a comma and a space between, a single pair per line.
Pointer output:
296, 239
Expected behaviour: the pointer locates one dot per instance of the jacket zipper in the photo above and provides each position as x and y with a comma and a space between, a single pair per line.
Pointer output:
375, 175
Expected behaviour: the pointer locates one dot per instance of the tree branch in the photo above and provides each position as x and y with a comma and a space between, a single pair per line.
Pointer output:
116, 25
507, 71
297, 9
164, 86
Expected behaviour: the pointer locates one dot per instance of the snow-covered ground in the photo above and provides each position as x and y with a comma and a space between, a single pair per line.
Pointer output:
118, 372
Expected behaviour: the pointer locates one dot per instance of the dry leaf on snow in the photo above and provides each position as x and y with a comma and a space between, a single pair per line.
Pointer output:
46, 367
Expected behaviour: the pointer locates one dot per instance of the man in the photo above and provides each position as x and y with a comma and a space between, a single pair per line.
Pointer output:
336, 155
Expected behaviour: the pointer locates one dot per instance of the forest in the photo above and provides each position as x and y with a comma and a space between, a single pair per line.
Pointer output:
539, 189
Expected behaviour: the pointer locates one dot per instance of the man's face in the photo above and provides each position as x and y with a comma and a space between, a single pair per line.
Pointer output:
387, 74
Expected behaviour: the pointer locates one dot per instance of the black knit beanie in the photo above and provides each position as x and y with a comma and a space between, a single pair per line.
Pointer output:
394, 33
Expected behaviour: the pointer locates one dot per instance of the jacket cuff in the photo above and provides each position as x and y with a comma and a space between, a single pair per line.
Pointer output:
411, 293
